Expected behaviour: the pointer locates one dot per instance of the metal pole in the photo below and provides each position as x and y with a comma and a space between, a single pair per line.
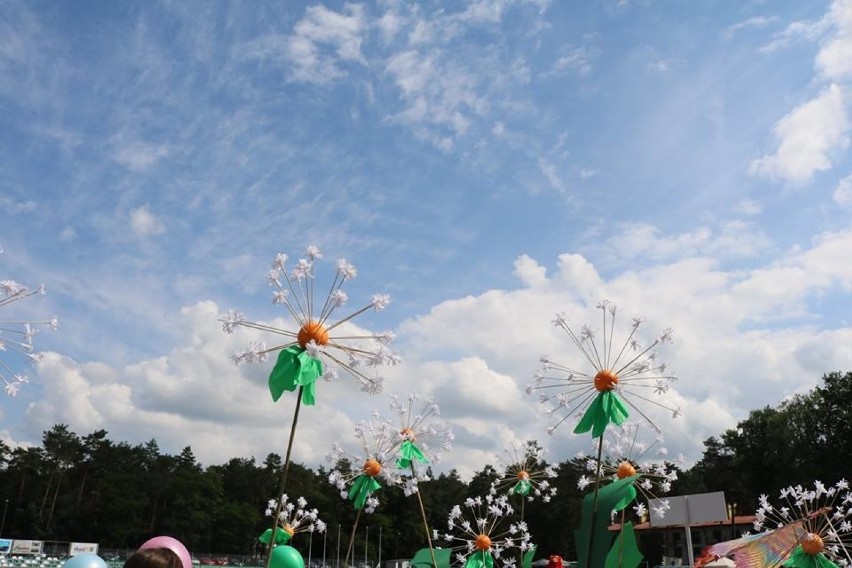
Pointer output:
310, 547
691, 558
3, 523
324, 539
379, 564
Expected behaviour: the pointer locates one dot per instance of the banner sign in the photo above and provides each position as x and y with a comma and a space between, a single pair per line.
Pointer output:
5, 545
82, 547
26, 547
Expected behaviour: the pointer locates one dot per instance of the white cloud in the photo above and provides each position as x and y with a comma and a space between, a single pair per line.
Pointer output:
144, 223
475, 355
323, 39
755, 22
843, 193
139, 156
575, 59
834, 59
808, 137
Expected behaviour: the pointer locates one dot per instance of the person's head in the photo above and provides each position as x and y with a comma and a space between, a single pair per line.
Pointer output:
153, 558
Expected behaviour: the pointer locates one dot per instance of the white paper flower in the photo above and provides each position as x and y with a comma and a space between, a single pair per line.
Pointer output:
16, 335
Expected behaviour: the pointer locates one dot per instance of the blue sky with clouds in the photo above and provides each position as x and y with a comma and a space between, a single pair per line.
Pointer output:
486, 163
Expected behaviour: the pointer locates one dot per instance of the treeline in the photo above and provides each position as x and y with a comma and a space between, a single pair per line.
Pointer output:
84, 488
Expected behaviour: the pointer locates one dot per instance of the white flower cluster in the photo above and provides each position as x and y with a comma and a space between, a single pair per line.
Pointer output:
481, 528
16, 335
824, 513
295, 517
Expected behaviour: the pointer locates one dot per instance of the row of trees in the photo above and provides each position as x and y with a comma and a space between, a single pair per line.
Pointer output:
75, 488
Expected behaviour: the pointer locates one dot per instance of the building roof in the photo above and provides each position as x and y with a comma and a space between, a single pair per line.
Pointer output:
738, 520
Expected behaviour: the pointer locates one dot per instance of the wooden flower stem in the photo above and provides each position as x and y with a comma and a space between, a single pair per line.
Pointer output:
426, 526
352, 537
284, 472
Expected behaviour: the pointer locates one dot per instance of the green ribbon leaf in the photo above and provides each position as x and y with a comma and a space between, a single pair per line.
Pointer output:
362, 487
409, 452
295, 368
480, 559
628, 498
801, 559
526, 561
624, 552
522, 487
594, 525
605, 409
281, 536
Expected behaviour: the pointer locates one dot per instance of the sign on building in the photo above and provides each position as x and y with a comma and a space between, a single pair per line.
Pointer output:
82, 548
26, 547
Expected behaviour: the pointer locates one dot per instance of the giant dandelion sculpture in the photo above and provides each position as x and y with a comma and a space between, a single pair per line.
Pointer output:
377, 443
480, 535
421, 438
523, 472
318, 344
823, 516
16, 335
611, 378
625, 455
293, 517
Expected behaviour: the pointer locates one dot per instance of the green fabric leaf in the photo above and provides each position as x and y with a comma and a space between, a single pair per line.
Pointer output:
522, 487
362, 487
628, 498
801, 559
408, 453
606, 408
594, 525
423, 558
281, 536
526, 561
624, 552
480, 559
295, 368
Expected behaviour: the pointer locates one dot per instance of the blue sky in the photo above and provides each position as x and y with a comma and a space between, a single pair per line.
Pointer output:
488, 164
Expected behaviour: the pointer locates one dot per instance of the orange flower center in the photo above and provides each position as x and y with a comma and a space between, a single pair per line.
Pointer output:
312, 331
407, 433
625, 469
289, 530
605, 380
523, 475
482, 542
372, 467
812, 544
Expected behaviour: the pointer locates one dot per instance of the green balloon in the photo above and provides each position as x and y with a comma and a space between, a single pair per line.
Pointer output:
286, 557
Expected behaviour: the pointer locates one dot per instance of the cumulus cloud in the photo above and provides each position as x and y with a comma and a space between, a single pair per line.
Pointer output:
808, 137
475, 355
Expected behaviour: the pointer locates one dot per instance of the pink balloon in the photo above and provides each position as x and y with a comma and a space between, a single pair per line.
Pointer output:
172, 544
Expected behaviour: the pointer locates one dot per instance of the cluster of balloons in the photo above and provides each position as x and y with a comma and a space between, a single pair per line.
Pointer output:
282, 556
